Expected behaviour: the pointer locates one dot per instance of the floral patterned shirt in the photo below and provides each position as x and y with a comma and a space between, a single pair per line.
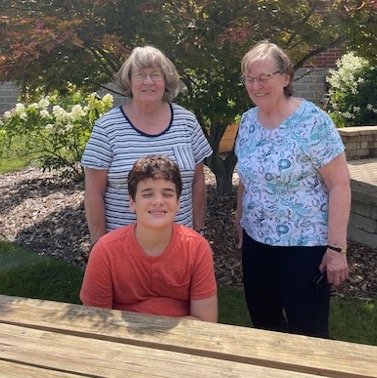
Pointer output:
285, 201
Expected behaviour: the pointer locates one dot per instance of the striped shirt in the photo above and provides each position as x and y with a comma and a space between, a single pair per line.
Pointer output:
115, 144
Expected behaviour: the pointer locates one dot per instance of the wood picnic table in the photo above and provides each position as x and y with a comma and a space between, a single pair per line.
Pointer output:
50, 339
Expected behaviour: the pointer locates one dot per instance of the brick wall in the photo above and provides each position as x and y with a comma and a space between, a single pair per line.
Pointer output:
326, 59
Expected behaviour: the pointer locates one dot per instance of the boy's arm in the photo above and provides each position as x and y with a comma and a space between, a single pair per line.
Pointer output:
203, 288
96, 289
204, 309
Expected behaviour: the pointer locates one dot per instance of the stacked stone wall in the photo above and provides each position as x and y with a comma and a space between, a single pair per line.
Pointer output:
362, 225
360, 141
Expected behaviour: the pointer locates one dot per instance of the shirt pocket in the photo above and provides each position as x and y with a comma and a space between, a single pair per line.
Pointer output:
177, 291
184, 157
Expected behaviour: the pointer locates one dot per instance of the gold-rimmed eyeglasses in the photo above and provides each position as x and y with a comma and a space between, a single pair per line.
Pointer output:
262, 78
141, 76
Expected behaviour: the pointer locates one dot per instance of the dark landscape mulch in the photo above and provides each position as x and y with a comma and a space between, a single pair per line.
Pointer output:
44, 213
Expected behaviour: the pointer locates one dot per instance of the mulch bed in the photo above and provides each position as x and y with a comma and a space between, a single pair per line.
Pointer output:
45, 213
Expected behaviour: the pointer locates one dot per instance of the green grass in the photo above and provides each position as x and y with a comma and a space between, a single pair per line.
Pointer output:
11, 157
27, 274
13, 164
354, 320
351, 319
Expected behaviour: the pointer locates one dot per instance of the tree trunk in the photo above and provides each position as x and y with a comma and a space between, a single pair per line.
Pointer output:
223, 171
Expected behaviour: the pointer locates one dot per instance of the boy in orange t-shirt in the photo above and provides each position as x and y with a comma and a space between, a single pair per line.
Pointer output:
153, 266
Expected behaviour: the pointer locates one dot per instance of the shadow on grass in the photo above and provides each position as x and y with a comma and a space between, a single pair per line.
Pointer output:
26, 274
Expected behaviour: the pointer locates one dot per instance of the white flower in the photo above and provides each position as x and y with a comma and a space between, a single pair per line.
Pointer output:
348, 115
7, 114
44, 103
369, 106
33, 106
60, 113
20, 108
108, 100
49, 127
77, 113
68, 127
44, 113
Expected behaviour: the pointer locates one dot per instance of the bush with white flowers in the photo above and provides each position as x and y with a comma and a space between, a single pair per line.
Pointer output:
352, 95
55, 129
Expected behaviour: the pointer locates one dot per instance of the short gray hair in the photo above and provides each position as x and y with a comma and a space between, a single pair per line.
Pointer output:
148, 57
268, 50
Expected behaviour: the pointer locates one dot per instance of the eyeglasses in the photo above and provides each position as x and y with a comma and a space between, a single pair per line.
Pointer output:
262, 78
155, 76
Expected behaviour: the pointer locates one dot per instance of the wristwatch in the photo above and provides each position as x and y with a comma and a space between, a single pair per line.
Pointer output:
201, 231
338, 249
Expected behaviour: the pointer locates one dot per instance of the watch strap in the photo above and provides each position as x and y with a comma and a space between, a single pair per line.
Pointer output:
337, 249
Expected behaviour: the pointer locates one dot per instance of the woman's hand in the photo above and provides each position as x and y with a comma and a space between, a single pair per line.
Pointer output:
336, 266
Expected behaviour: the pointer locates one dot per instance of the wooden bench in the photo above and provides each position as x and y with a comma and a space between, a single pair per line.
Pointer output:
50, 339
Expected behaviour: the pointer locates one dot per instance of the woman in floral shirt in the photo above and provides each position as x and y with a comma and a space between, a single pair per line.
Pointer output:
293, 200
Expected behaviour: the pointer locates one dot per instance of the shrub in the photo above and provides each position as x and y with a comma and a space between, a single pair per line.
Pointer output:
352, 95
55, 129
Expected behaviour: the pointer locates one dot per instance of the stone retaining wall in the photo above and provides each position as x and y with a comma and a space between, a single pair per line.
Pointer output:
360, 141
362, 226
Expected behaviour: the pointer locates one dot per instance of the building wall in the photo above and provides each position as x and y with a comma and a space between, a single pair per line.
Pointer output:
310, 84
8, 96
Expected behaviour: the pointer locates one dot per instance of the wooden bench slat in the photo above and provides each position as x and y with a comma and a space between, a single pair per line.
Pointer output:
97, 358
270, 349
12, 369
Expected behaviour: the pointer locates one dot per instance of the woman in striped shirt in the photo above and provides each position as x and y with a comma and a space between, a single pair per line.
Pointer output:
148, 123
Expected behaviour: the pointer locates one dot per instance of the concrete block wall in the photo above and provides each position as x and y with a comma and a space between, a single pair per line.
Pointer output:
310, 84
8, 96
360, 141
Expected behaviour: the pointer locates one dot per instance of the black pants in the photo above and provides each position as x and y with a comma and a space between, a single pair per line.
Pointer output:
279, 291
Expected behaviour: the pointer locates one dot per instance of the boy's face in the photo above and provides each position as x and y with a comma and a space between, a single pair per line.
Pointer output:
156, 203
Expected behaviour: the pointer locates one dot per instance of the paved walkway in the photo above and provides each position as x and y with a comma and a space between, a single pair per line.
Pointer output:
364, 170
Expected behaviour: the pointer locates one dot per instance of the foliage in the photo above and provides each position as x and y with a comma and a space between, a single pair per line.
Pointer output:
360, 28
353, 96
84, 42
55, 129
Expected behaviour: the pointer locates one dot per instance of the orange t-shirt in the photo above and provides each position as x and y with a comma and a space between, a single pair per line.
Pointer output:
122, 276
